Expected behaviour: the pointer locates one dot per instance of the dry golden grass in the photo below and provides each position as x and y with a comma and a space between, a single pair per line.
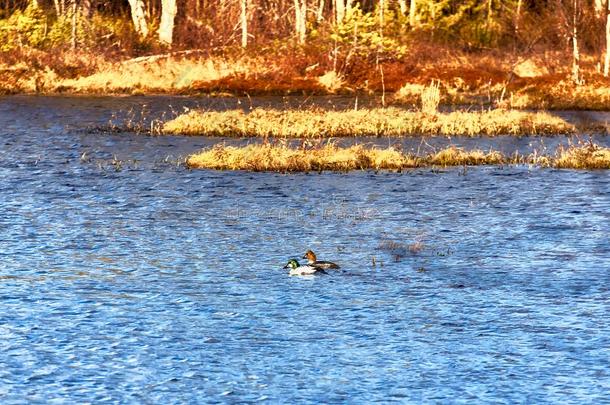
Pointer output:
539, 81
34, 71
369, 122
280, 158
561, 95
331, 81
430, 98
285, 159
154, 76
585, 155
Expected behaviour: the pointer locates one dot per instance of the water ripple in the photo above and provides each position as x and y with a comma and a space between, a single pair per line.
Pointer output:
155, 284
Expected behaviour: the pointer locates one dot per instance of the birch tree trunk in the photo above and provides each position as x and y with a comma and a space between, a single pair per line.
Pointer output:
575, 51
339, 10
518, 16
74, 11
138, 16
598, 5
57, 7
320, 14
169, 10
300, 20
244, 23
303, 28
412, 13
607, 58
381, 16
86, 8
403, 6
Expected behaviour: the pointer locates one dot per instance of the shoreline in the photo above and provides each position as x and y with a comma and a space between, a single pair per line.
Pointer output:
475, 80
392, 100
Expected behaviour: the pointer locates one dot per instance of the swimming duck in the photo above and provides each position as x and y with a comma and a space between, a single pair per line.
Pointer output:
320, 264
297, 270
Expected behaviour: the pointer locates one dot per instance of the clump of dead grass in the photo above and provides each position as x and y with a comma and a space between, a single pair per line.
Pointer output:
583, 155
430, 98
366, 122
331, 81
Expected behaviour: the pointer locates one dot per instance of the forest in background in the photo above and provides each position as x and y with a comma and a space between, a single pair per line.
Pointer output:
283, 45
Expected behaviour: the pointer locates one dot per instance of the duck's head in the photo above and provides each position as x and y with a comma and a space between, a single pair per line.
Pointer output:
310, 255
292, 264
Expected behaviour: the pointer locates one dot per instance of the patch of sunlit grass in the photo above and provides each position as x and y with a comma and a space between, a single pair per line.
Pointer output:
368, 122
167, 74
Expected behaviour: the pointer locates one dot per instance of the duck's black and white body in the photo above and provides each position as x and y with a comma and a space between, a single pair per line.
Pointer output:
320, 264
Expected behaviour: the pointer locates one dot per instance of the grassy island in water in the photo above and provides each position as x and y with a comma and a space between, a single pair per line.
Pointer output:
369, 122
281, 158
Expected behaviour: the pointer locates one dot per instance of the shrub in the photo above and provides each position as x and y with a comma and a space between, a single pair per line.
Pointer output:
24, 28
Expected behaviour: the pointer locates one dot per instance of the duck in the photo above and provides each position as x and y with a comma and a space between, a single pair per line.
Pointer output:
298, 270
320, 264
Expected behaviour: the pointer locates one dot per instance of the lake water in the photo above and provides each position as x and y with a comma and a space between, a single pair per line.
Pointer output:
125, 278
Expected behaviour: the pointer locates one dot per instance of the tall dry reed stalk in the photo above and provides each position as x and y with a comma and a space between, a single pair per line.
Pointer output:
430, 98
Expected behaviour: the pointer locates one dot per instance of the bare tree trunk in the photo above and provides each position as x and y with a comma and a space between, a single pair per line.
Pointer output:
339, 10
575, 52
412, 8
169, 9
598, 5
74, 10
607, 58
403, 6
489, 11
300, 20
86, 8
303, 29
488, 21
138, 16
320, 14
348, 6
244, 23
381, 16
518, 16
57, 7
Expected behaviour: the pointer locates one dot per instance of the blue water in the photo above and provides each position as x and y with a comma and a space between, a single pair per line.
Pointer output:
125, 278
